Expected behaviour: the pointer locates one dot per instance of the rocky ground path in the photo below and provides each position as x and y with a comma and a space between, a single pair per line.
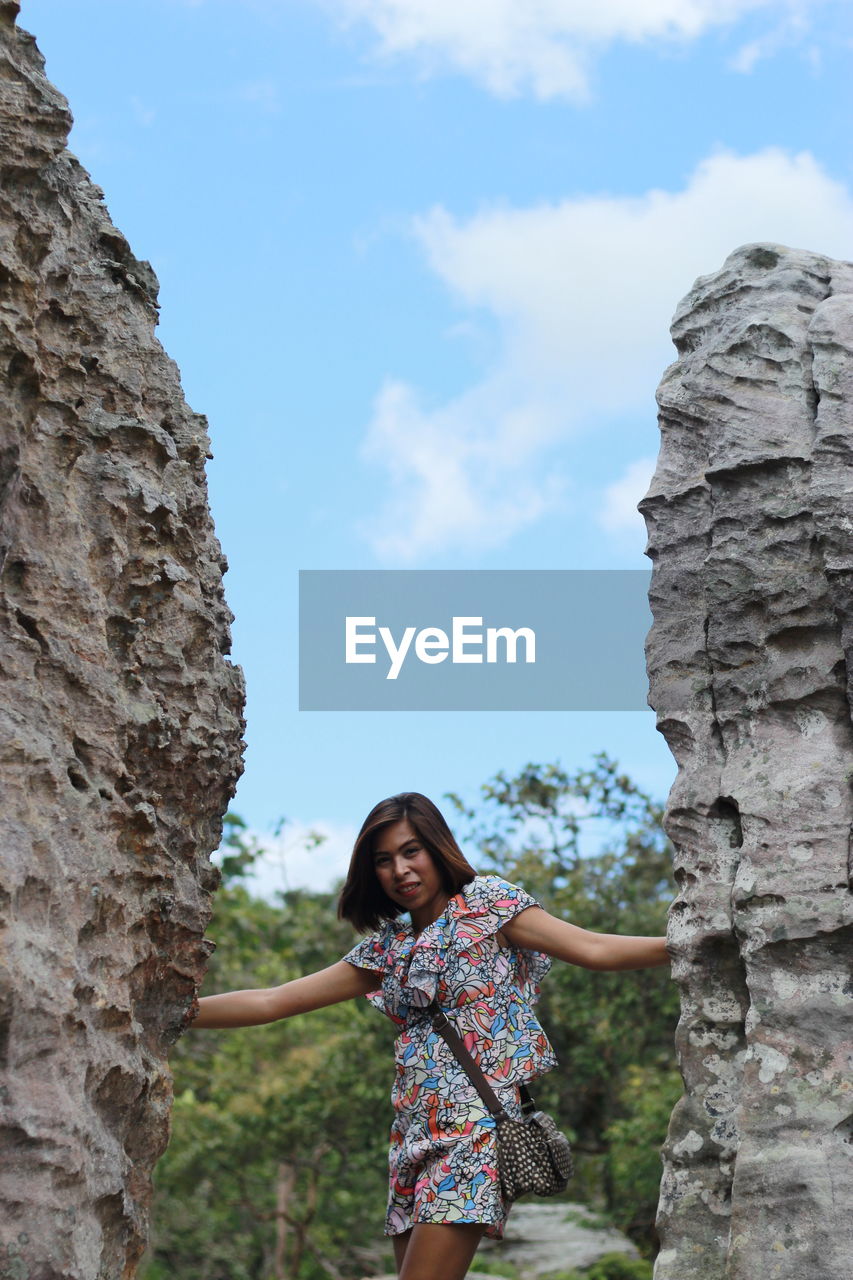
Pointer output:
541, 1238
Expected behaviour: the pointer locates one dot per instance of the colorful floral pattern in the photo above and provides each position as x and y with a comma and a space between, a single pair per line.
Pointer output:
443, 1165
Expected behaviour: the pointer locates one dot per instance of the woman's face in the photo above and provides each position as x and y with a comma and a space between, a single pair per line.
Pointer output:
408, 874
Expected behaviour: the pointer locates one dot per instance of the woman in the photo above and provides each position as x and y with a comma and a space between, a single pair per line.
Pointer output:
476, 945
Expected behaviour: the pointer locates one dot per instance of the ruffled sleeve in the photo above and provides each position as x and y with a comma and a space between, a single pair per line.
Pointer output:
379, 952
370, 953
488, 903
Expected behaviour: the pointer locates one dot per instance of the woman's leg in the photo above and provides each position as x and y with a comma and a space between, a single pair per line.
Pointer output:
401, 1243
438, 1251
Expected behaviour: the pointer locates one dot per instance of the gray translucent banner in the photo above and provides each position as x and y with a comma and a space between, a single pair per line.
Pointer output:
473, 640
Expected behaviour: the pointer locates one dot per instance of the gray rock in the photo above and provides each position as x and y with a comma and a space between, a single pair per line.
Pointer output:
554, 1237
750, 522
121, 717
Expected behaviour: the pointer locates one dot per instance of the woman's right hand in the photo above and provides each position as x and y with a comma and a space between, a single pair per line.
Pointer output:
341, 981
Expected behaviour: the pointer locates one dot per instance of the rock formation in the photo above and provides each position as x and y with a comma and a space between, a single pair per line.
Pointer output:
121, 718
750, 519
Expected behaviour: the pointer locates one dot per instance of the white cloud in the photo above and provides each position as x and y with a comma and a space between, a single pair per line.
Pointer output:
448, 469
619, 512
791, 30
295, 860
583, 291
586, 287
545, 46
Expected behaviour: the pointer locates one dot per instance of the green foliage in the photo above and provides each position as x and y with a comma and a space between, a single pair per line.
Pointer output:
610, 1266
646, 1100
616, 1266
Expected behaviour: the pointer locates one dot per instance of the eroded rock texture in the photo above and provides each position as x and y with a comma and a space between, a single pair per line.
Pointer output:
750, 518
121, 718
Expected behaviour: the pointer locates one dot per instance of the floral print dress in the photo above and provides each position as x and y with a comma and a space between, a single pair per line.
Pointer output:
443, 1160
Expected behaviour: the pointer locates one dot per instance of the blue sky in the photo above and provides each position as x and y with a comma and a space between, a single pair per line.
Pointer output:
417, 263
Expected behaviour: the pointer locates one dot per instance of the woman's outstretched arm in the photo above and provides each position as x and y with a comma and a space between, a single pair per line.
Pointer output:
341, 981
536, 930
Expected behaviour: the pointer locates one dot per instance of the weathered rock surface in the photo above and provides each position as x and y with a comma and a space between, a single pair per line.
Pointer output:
121, 718
750, 520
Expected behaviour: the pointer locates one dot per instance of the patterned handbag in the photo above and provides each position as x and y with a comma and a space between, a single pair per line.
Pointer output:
534, 1157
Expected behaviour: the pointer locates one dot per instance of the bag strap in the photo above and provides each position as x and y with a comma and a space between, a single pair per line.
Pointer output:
442, 1024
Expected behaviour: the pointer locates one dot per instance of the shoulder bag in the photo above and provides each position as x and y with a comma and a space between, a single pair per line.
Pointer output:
534, 1157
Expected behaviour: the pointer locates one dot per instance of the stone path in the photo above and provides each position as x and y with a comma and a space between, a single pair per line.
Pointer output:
548, 1237
554, 1237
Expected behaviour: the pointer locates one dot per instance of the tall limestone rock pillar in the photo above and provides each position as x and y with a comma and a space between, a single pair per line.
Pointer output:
120, 717
750, 519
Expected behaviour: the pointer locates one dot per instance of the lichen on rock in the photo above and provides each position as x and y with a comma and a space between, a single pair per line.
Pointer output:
750, 658
121, 715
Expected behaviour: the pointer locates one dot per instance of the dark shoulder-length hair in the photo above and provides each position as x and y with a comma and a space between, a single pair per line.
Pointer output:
363, 901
